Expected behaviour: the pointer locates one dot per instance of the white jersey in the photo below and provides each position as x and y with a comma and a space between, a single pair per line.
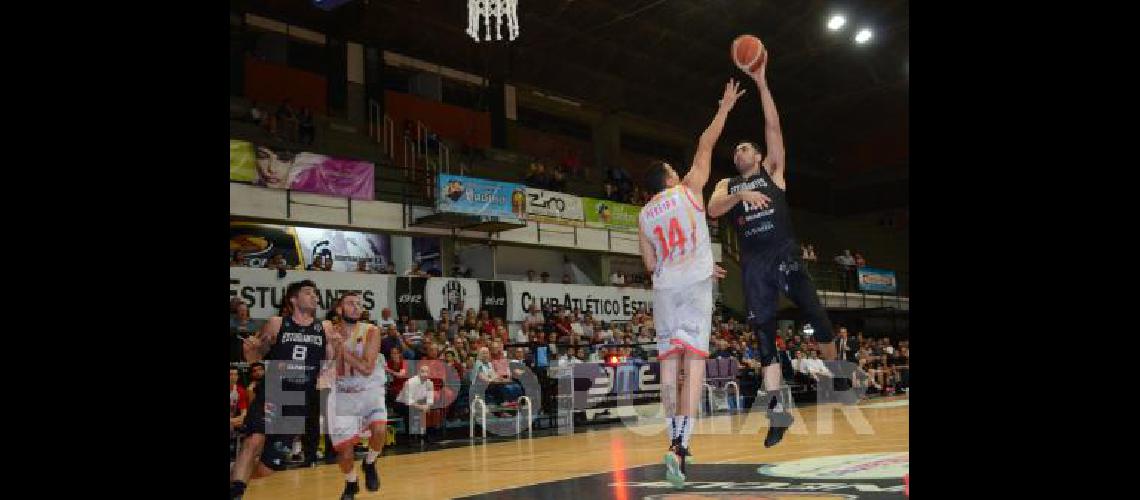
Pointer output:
348, 379
676, 227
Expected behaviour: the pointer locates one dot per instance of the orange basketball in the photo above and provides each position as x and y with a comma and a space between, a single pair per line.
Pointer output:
748, 53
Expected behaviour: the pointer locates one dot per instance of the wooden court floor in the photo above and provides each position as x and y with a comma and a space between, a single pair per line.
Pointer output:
879, 426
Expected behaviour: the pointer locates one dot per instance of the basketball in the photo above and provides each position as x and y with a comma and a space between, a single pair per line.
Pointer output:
748, 53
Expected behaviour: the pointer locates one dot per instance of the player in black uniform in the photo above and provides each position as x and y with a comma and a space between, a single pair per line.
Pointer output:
294, 344
770, 257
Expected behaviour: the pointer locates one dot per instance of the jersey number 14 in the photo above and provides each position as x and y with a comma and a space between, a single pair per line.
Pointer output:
676, 238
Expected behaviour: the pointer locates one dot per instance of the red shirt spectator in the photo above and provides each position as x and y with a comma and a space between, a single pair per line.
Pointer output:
487, 328
239, 399
565, 332
397, 371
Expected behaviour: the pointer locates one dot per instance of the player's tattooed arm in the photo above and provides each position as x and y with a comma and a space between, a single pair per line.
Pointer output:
256, 347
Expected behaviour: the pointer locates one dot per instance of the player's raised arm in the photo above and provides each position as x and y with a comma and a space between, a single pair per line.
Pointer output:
773, 135
256, 347
702, 161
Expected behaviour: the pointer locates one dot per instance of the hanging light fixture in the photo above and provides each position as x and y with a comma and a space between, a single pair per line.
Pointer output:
484, 16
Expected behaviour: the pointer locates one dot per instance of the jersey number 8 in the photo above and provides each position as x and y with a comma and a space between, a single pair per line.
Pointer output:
299, 352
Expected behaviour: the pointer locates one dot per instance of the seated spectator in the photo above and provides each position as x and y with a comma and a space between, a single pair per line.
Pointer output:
238, 259
278, 262
846, 267
530, 276
533, 319
241, 327
557, 181
287, 121
362, 266
609, 191
859, 260
566, 279
545, 277
385, 320
416, 270
616, 279
811, 257
306, 130
256, 114
419, 395
239, 400
531, 177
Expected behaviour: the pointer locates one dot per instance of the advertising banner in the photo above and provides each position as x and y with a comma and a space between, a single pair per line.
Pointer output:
260, 242
610, 215
552, 206
242, 166
314, 173
605, 303
345, 248
263, 291
473, 196
877, 280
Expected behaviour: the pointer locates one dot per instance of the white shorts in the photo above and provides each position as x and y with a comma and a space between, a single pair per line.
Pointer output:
351, 413
682, 317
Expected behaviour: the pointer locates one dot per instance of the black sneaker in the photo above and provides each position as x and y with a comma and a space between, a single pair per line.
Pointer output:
237, 489
371, 478
778, 423
350, 490
683, 452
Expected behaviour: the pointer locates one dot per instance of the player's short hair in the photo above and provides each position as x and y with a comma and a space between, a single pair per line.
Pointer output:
656, 175
754, 146
291, 291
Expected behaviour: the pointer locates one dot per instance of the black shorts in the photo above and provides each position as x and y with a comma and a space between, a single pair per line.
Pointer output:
781, 270
277, 446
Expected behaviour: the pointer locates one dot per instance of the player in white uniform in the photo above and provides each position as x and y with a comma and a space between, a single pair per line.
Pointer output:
675, 247
357, 401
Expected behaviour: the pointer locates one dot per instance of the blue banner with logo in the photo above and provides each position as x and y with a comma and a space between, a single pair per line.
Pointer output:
473, 196
877, 280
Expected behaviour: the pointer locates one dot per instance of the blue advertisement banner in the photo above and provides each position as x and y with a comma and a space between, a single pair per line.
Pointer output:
473, 196
877, 280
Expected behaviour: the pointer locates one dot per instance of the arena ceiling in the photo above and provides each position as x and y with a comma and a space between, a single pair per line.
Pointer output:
844, 107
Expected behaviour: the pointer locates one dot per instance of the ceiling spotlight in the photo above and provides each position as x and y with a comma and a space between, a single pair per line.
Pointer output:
837, 21
863, 36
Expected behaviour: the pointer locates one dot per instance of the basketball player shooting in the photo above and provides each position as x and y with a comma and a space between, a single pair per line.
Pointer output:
676, 249
295, 344
770, 256
358, 401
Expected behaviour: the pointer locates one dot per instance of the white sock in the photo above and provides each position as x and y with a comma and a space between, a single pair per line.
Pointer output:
371, 456
687, 432
351, 476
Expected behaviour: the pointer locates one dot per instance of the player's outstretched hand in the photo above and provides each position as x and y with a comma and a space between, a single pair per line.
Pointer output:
718, 272
755, 199
732, 92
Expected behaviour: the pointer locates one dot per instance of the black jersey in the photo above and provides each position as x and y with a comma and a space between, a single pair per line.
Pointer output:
299, 351
761, 230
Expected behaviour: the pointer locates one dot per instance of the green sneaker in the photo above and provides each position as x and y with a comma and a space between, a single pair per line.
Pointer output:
673, 472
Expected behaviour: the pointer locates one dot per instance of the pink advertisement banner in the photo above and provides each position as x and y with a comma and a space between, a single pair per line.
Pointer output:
314, 173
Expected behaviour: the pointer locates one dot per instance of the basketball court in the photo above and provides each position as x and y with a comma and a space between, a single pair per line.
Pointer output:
862, 453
